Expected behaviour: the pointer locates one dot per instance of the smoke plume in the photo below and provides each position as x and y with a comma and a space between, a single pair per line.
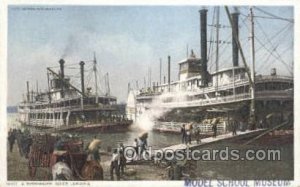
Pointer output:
158, 108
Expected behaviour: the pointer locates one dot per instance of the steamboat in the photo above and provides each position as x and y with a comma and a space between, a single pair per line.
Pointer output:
64, 107
200, 96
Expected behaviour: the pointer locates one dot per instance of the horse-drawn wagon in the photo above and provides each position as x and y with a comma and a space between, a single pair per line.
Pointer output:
66, 158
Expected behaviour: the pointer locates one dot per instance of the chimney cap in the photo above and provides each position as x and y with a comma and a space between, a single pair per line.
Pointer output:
203, 10
61, 61
236, 10
81, 63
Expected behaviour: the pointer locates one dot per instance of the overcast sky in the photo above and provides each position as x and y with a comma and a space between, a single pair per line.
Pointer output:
128, 40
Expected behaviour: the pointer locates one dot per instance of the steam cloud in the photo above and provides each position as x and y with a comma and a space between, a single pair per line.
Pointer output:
146, 120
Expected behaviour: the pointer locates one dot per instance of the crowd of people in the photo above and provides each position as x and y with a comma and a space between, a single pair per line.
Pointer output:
118, 160
189, 130
92, 150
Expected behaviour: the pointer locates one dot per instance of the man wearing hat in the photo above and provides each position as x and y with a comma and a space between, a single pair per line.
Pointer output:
114, 165
183, 134
122, 164
93, 149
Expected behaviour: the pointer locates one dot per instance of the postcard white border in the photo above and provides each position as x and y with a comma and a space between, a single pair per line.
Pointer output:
3, 71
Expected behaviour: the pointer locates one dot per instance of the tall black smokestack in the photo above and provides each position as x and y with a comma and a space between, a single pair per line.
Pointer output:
28, 94
82, 76
169, 72
235, 30
62, 76
203, 37
62, 71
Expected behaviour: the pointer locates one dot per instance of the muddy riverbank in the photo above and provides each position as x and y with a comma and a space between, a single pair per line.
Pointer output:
17, 169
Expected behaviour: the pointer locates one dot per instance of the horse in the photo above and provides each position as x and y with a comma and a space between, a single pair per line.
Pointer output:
92, 170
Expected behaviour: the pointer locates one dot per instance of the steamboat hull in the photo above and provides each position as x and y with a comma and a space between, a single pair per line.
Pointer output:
86, 127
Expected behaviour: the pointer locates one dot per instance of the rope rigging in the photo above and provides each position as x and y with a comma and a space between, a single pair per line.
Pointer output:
274, 51
274, 41
272, 15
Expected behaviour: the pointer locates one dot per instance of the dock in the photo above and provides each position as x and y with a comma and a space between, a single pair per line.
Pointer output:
211, 140
204, 142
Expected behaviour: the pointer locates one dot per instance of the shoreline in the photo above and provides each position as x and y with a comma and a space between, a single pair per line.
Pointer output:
196, 169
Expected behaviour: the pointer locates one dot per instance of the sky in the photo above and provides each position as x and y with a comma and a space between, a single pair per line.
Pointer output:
128, 40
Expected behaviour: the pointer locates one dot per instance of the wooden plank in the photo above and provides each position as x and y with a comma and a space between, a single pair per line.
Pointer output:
210, 140
266, 132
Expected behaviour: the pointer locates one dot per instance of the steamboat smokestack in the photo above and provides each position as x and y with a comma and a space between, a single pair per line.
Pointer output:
62, 76
203, 43
235, 30
169, 72
82, 76
28, 94
62, 71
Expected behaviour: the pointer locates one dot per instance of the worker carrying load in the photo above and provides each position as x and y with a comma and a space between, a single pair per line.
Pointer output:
93, 150
188, 129
214, 123
142, 143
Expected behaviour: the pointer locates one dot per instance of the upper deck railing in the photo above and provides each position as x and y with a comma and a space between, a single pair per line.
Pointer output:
276, 94
68, 108
205, 102
229, 85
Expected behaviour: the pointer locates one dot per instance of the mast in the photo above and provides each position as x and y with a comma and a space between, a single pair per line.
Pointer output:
160, 71
148, 83
249, 74
107, 82
95, 74
240, 48
49, 91
150, 77
37, 87
217, 48
169, 73
187, 51
137, 84
128, 88
252, 58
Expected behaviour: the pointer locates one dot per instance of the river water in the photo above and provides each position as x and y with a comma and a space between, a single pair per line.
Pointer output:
112, 139
228, 170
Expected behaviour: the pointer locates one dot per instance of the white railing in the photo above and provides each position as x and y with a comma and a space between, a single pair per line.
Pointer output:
64, 109
202, 102
274, 94
175, 126
276, 77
